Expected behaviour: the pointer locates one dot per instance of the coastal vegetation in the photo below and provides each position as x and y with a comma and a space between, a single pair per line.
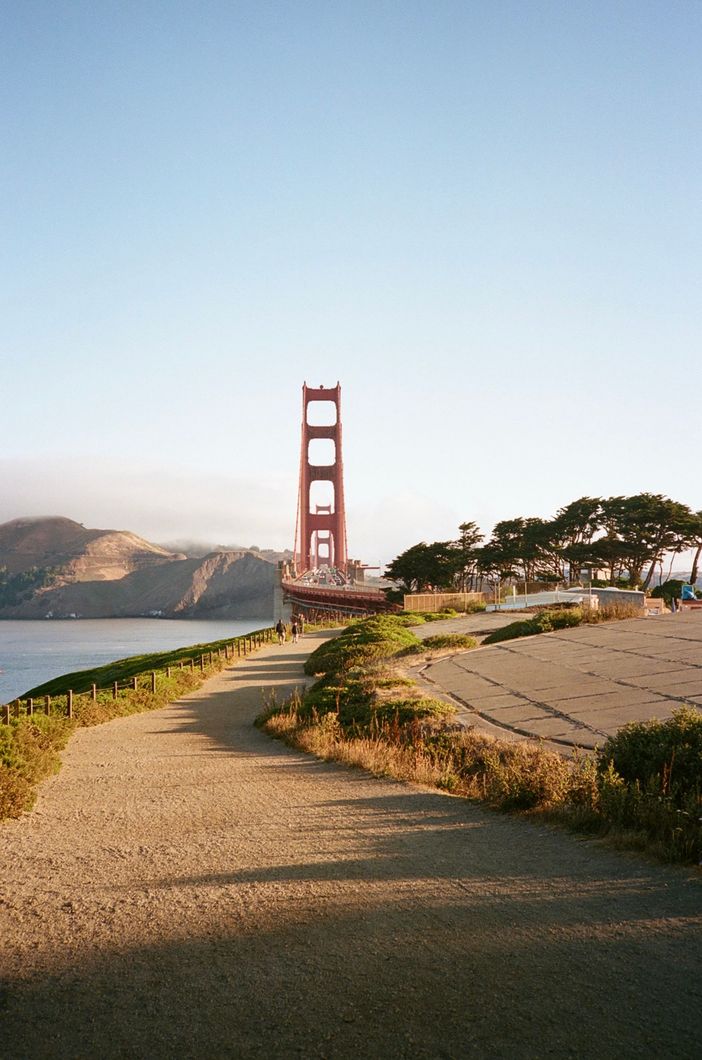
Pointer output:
35, 730
641, 789
626, 538
550, 619
16, 587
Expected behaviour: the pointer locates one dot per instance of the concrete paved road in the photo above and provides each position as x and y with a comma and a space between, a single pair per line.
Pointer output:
577, 686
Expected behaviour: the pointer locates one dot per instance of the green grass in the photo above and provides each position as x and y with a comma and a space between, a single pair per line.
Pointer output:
379, 637
123, 669
543, 622
562, 618
442, 641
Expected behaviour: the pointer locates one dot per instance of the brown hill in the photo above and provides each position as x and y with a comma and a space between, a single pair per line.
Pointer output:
113, 574
81, 554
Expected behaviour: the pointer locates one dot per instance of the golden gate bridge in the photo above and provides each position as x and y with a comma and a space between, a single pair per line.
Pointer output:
321, 576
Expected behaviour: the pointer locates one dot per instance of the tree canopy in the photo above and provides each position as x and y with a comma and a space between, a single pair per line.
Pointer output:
624, 536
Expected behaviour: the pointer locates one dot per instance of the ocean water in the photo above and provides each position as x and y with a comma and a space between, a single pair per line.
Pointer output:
34, 652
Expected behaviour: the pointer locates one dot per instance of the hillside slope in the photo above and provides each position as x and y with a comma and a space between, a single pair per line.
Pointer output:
58, 568
80, 554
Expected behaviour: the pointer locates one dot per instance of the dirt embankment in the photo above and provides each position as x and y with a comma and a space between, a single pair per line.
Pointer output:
188, 887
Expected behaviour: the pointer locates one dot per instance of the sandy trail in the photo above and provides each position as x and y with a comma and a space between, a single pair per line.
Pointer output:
188, 887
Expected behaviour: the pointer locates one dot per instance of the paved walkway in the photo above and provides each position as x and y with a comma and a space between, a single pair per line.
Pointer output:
187, 887
577, 686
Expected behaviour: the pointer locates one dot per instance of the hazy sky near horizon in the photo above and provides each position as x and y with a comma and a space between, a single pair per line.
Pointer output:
483, 218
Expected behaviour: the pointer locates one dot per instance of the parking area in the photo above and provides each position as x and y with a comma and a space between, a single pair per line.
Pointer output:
578, 686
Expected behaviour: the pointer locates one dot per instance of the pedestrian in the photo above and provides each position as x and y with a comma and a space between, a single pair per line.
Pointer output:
294, 630
280, 630
301, 624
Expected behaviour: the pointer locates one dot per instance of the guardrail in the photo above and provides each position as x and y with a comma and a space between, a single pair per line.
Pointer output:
63, 704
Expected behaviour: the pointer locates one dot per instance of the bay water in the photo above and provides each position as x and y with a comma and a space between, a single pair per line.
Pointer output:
32, 652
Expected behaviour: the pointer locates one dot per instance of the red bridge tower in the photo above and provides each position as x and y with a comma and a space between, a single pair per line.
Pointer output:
320, 535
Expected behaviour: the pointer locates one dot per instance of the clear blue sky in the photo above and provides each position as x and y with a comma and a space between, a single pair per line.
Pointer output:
483, 218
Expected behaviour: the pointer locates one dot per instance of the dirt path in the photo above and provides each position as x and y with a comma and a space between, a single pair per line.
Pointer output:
187, 887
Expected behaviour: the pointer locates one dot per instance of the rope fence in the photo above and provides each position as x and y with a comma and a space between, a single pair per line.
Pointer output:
63, 705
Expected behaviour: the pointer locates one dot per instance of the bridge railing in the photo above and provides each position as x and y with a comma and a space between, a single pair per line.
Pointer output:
344, 601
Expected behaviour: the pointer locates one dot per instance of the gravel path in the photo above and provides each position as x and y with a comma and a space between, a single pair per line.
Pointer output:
187, 887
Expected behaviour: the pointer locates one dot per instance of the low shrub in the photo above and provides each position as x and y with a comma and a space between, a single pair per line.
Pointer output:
379, 637
457, 641
29, 751
450, 640
543, 622
662, 757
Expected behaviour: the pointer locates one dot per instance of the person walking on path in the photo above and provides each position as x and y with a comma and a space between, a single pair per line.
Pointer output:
301, 624
280, 630
294, 629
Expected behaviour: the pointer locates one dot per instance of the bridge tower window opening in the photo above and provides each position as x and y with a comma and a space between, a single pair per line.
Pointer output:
321, 452
322, 412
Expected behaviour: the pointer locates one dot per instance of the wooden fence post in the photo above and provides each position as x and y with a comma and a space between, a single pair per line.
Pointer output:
69, 703
202, 662
94, 693
30, 707
114, 690
168, 671
135, 683
6, 713
153, 682
192, 663
238, 647
47, 704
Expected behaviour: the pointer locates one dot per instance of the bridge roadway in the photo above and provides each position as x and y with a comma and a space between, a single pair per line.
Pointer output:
335, 599
575, 686
187, 887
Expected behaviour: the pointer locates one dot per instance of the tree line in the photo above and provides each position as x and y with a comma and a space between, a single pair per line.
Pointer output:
627, 538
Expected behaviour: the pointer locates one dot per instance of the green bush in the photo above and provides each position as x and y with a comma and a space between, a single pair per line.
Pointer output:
450, 640
544, 622
660, 756
379, 637
405, 711
358, 701
29, 751
442, 640
668, 591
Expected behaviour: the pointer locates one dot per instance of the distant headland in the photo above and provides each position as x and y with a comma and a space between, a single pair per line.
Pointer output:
57, 568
